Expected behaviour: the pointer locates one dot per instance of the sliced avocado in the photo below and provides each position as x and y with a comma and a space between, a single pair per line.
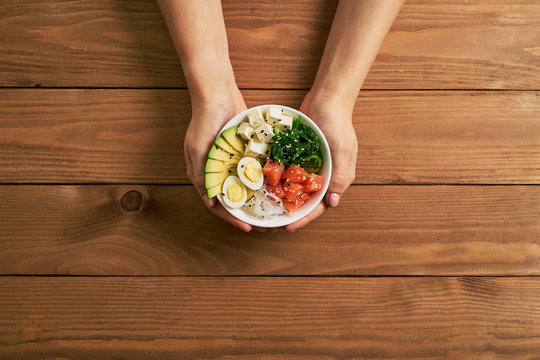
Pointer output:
214, 166
213, 191
233, 139
217, 153
223, 144
231, 170
232, 161
249, 193
214, 179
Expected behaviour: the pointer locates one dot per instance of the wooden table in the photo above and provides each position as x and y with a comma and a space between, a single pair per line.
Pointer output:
106, 251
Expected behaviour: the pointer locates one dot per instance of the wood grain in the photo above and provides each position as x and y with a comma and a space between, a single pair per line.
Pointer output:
433, 45
136, 136
376, 230
270, 318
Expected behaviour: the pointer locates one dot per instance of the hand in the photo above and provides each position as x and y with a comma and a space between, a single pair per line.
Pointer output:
334, 116
207, 119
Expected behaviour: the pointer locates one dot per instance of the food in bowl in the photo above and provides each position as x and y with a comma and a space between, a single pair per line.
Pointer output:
267, 164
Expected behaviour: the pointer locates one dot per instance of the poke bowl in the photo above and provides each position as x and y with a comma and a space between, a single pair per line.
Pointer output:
269, 167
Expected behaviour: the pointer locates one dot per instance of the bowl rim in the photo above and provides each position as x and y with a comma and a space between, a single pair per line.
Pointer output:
311, 204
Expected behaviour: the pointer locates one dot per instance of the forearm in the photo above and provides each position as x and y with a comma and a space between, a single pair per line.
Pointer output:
357, 32
198, 32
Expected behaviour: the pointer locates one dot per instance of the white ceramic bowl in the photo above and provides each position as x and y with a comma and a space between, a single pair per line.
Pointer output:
314, 200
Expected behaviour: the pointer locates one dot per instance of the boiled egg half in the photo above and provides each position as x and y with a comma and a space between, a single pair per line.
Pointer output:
250, 173
234, 192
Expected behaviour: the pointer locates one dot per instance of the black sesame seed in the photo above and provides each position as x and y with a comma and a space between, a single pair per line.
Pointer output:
230, 171
242, 166
262, 131
252, 136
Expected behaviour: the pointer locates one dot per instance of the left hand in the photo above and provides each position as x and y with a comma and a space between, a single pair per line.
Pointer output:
334, 116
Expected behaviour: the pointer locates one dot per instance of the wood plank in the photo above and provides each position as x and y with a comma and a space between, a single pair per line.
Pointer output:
270, 318
472, 44
136, 136
376, 230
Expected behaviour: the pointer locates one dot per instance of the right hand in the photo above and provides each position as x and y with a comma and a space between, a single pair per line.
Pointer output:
207, 119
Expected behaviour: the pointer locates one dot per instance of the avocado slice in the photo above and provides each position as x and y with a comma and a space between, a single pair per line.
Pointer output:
213, 191
223, 144
214, 166
249, 193
230, 169
217, 153
214, 179
234, 140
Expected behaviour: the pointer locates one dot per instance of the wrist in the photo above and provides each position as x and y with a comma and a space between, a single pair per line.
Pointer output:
209, 78
216, 90
324, 97
332, 87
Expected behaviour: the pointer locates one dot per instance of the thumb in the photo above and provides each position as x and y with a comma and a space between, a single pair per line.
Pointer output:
338, 184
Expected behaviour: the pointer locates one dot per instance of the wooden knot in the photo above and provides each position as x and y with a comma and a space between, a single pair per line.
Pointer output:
132, 201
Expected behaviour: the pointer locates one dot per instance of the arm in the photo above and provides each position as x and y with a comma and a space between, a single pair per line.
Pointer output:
357, 32
198, 32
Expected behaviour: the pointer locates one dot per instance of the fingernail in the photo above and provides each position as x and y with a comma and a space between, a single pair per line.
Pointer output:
333, 199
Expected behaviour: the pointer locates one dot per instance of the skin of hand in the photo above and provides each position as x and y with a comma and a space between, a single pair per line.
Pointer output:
357, 32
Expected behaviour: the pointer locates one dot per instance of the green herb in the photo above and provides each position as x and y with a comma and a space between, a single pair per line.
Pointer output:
300, 146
